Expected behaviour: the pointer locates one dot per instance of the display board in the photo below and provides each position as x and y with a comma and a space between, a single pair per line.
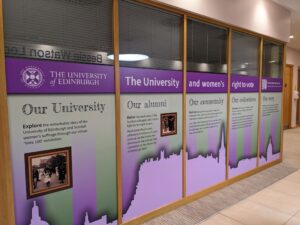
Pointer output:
271, 103
62, 135
151, 125
243, 124
244, 98
270, 120
206, 126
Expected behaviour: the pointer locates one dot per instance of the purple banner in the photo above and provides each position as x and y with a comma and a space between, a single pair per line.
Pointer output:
270, 84
244, 83
136, 80
41, 76
206, 83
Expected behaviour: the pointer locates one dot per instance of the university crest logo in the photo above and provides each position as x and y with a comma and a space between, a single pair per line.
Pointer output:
32, 77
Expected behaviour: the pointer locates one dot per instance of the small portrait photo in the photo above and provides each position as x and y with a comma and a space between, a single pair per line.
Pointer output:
48, 171
168, 124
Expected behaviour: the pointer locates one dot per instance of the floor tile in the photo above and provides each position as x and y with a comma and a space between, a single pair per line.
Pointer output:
277, 200
294, 177
295, 220
219, 219
287, 187
251, 213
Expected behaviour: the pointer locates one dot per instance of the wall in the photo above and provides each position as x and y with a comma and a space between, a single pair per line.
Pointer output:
293, 57
262, 16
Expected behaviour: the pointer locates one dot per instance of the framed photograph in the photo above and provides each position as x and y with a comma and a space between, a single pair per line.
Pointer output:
48, 171
168, 124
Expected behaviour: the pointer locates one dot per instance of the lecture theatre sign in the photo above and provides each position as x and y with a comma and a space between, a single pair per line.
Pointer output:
49, 52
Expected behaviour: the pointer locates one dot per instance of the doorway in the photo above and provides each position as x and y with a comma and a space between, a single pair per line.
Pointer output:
287, 96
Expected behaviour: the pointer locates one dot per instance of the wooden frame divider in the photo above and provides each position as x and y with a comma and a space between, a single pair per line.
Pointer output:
7, 215
184, 106
6, 200
282, 108
229, 42
116, 49
260, 63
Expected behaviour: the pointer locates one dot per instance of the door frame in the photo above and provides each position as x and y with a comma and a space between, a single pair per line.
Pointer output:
291, 94
298, 101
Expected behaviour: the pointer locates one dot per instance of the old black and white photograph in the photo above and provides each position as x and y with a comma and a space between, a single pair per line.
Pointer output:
48, 171
168, 124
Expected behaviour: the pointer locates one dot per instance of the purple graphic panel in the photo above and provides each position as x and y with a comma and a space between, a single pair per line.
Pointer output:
206, 83
152, 180
244, 83
197, 177
135, 80
41, 76
158, 184
270, 84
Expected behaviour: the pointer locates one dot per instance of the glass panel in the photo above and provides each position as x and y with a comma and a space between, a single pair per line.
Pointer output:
152, 33
245, 54
206, 48
272, 60
67, 30
151, 107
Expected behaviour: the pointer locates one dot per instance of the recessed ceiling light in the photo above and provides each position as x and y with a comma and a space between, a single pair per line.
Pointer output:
130, 57
244, 65
291, 36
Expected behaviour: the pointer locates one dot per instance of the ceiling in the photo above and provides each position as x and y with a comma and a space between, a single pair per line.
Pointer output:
294, 7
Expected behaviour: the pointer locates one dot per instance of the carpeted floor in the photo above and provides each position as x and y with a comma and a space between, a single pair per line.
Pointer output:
199, 210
